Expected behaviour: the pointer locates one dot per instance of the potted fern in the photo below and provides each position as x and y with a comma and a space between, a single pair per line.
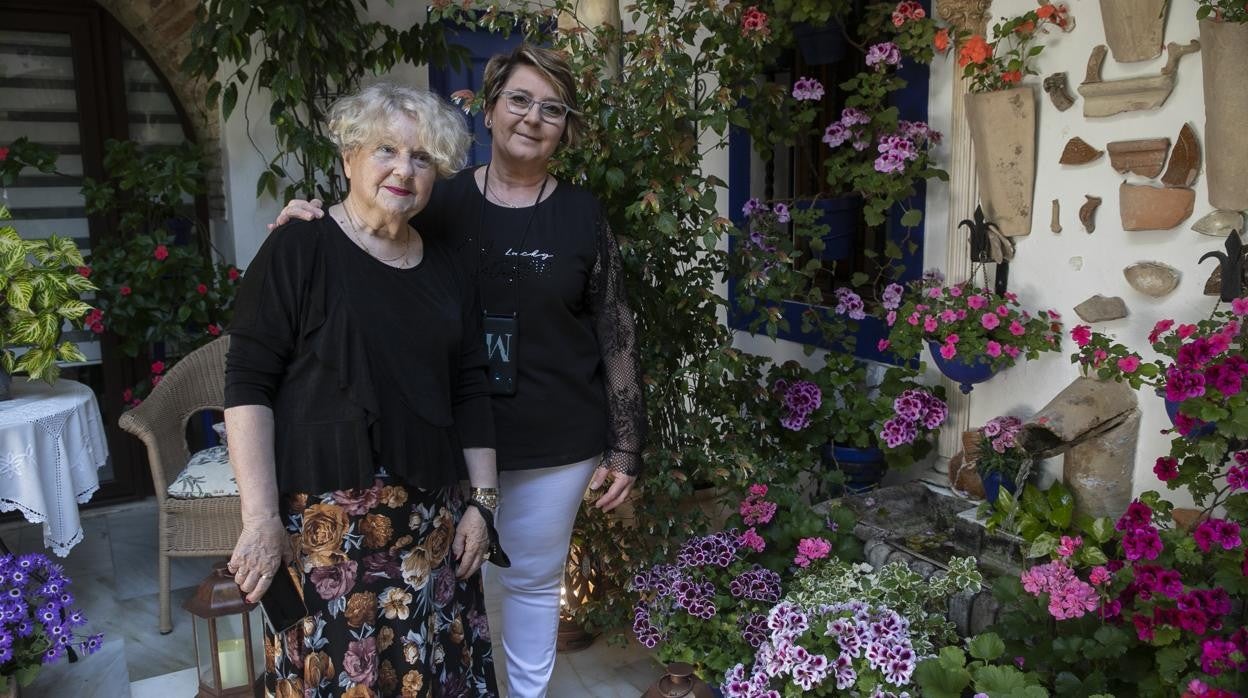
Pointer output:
41, 284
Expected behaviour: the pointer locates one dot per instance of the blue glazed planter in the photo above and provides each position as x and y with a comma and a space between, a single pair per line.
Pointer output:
994, 483
842, 215
1206, 428
965, 374
862, 468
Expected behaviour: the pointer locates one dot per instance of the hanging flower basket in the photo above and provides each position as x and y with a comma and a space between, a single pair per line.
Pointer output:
957, 369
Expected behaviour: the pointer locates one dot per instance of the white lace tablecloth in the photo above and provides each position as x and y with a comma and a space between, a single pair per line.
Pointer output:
51, 446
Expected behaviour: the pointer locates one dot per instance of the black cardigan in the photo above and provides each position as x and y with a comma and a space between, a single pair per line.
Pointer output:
364, 365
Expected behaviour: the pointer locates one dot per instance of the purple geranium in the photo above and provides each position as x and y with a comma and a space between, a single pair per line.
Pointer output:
882, 55
807, 89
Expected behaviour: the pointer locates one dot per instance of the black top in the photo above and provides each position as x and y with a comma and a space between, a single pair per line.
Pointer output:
364, 365
558, 267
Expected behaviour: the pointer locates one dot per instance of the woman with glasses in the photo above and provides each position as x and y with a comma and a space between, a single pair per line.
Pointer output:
564, 371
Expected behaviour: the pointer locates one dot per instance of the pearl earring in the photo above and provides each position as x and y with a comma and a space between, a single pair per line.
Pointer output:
489, 124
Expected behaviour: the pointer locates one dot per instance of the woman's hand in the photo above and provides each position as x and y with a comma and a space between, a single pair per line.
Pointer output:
617, 493
472, 542
298, 208
261, 548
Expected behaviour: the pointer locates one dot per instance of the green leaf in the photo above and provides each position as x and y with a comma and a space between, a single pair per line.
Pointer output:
987, 647
1061, 506
1042, 546
1171, 662
1101, 529
912, 218
942, 677
229, 100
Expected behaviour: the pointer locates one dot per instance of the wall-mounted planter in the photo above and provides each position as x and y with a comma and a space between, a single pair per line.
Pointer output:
961, 371
1224, 46
1003, 130
1134, 29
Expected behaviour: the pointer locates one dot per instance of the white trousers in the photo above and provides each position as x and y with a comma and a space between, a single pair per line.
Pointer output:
535, 519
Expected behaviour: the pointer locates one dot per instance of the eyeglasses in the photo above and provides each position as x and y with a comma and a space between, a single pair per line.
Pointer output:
520, 104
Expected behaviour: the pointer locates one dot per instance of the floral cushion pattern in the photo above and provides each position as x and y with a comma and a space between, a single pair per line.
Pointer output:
207, 474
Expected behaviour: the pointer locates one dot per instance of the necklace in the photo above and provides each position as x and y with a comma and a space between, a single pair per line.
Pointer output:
499, 199
355, 233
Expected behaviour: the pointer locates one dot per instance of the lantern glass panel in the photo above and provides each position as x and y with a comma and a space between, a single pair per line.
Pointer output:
232, 651
203, 652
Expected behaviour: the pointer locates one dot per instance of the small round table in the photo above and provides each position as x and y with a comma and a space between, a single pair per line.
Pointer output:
51, 447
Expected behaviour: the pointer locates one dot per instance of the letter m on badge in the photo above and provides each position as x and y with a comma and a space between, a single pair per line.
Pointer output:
498, 346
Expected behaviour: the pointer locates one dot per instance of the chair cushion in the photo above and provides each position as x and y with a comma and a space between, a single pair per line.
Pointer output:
207, 474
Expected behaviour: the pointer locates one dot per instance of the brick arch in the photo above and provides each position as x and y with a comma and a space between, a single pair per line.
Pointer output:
163, 29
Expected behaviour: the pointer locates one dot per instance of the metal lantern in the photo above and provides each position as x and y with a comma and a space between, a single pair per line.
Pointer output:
679, 682
580, 578
228, 640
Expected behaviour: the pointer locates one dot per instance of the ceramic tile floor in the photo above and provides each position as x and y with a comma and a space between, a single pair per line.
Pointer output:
114, 579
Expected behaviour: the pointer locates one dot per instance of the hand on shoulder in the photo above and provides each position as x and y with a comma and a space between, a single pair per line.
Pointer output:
300, 210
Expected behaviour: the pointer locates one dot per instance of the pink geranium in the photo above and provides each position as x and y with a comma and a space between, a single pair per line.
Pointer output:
811, 549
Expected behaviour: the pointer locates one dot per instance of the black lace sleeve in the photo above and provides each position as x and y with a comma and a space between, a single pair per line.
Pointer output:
617, 340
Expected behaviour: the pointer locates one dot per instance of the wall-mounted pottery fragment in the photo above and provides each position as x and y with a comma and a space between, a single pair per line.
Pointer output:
1153, 208
1078, 152
1059, 92
1055, 218
1134, 29
1102, 98
1143, 156
1099, 308
1184, 160
1219, 223
1152, 278
1003, 132
1087, 212
1226, 104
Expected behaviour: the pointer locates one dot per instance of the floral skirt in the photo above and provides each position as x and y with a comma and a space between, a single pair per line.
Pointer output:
387, 615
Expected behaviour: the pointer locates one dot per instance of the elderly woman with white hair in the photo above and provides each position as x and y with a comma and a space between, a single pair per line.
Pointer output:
356, 396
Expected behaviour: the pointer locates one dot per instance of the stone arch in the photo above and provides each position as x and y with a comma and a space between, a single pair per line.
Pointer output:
163, 29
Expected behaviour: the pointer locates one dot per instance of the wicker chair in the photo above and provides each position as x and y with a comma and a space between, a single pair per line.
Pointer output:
206, 527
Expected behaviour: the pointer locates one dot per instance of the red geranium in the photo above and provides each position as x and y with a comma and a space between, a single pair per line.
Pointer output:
161, 253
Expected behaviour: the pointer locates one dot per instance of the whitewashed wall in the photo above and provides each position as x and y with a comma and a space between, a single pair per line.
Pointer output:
1060, 271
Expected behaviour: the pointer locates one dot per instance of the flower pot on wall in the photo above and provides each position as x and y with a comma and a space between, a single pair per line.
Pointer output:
1223, 55
862, 468
1203, 428
842, 216
820, 45
1003, 131
1134, 29
965, 373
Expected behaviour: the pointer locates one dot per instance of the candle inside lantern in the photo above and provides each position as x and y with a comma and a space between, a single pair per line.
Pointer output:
233, 657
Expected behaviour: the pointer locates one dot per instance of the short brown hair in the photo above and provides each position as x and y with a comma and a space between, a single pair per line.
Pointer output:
552, 65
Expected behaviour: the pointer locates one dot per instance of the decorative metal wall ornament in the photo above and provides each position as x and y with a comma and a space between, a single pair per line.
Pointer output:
1231, 263
989, 245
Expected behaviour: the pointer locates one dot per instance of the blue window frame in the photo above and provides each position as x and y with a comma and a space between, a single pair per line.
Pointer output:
912, 105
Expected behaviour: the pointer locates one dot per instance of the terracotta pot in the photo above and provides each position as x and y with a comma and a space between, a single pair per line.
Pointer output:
1003, 130
963, 477
1223, 55
1134, 29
